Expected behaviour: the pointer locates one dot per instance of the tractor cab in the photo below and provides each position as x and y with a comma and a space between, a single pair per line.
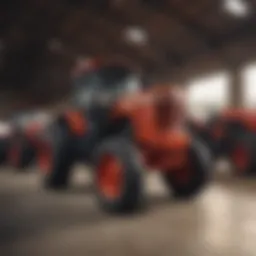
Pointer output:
100, 87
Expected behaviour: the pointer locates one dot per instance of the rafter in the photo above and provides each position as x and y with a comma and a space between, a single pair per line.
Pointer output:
132, 14
169, 10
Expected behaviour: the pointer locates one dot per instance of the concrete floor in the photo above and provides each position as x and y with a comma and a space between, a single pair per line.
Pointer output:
222, 221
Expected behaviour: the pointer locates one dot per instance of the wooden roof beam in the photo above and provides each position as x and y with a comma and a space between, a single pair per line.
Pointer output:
114, 36
98, 35
132, 14
168, 9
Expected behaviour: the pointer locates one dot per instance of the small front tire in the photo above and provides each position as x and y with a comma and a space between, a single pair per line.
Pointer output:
118, 180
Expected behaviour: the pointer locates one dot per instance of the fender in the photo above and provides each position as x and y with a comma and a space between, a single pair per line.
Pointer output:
76, 122
246, 118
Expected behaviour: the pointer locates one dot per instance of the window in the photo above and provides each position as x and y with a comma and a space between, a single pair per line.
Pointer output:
104, 85
208, 94
249, 86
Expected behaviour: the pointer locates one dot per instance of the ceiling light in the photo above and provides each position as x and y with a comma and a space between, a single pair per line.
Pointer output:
136, 35
237, 8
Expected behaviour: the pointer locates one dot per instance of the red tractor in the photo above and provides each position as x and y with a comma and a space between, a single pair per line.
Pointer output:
26, 129
232, 134
121, 130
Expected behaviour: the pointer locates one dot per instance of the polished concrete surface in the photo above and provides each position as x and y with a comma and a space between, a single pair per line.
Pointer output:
221, 221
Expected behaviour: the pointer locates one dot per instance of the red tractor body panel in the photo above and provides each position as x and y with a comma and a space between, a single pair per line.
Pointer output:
246, 118
157, 122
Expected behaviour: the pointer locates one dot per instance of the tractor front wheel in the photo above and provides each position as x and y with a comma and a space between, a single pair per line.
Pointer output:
118, 180
189, 180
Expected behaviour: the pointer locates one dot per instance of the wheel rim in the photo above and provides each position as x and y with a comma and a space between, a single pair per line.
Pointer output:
45, 158
241, 158
110, 176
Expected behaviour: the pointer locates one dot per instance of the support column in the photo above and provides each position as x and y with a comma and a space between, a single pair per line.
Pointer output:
236, 87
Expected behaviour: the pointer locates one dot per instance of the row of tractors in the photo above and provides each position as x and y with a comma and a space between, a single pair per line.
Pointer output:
120, 129
231, 134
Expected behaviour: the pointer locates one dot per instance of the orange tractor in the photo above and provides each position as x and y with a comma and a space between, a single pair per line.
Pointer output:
121, 130
232, 134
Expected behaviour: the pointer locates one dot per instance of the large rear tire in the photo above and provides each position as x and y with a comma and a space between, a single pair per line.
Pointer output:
55, 157
118, 180
188, 181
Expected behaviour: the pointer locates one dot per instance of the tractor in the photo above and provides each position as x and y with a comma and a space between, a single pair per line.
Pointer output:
121, 129
232, 134
26, 129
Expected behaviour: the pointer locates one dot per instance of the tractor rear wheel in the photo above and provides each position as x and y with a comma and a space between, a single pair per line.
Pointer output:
118, 181
189, 180
55, 157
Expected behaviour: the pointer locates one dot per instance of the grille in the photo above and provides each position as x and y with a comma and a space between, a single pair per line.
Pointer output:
164, 112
